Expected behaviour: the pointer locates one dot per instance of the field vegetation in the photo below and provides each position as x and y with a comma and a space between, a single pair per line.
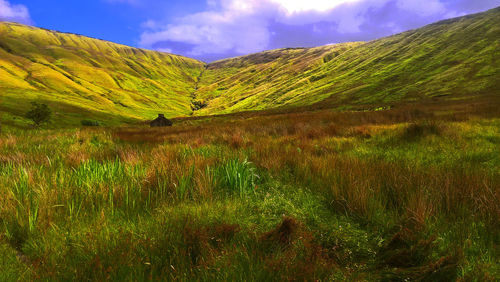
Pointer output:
365, 161
406, 193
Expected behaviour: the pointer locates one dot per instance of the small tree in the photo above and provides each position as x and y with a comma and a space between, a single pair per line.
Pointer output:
39, 113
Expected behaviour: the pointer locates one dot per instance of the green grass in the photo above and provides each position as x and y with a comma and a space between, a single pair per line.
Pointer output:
321, 195
237, 177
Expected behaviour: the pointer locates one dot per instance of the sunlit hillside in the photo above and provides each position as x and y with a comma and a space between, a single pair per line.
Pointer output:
454, 58
84, 77
265, 80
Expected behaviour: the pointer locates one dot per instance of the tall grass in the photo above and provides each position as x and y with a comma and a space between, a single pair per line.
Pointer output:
23, 223
237, 177
396, 194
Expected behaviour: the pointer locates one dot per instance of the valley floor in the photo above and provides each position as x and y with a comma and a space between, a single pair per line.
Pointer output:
408, 193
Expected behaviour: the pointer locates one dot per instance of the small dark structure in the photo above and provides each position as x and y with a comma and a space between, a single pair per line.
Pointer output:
161, 121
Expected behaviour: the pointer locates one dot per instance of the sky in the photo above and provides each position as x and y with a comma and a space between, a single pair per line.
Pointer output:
214, 29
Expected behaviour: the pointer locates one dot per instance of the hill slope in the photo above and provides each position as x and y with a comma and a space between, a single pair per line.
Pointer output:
81, 76
88, 78
457, 57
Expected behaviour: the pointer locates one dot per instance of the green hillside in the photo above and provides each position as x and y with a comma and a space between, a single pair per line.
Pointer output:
264, 80
83, 77
457, 57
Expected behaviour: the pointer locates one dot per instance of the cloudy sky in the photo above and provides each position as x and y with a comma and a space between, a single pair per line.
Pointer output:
214, 29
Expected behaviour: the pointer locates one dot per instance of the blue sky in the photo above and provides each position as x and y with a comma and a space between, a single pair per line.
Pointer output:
215, 29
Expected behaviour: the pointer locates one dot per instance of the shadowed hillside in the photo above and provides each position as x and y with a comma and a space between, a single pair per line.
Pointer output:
80, 76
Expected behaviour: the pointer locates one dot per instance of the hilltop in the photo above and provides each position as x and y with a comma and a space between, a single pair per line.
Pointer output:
83, 77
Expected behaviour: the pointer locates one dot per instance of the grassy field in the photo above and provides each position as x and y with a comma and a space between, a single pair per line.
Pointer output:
408, 193
85, 78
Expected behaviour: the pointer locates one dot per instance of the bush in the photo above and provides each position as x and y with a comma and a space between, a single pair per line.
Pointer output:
87, 122
421, 129
39, 113
317, 77
198, 105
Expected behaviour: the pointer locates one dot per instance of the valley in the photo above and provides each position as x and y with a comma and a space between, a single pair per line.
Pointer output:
115, 84
362, 161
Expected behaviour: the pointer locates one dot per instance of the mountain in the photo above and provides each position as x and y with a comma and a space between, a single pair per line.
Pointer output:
452, 58
84, 77
265, 80
89, 78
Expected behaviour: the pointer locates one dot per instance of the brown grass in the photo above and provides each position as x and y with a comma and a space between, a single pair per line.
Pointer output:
301, 142
283, 233
302, 150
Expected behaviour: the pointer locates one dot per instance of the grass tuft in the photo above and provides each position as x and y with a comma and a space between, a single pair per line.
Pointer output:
237, 177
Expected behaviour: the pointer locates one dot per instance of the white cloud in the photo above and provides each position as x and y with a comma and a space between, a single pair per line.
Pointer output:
14, 13
297, 6
164, 50
245, 26
235, 27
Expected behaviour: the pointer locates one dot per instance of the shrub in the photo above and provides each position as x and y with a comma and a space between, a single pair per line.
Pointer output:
87, 122
39, 113
198, 105
421, 129
317, 77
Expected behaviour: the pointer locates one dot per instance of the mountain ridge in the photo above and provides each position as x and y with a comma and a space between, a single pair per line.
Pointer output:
103, 79
83, 77
95, 38
439, 59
